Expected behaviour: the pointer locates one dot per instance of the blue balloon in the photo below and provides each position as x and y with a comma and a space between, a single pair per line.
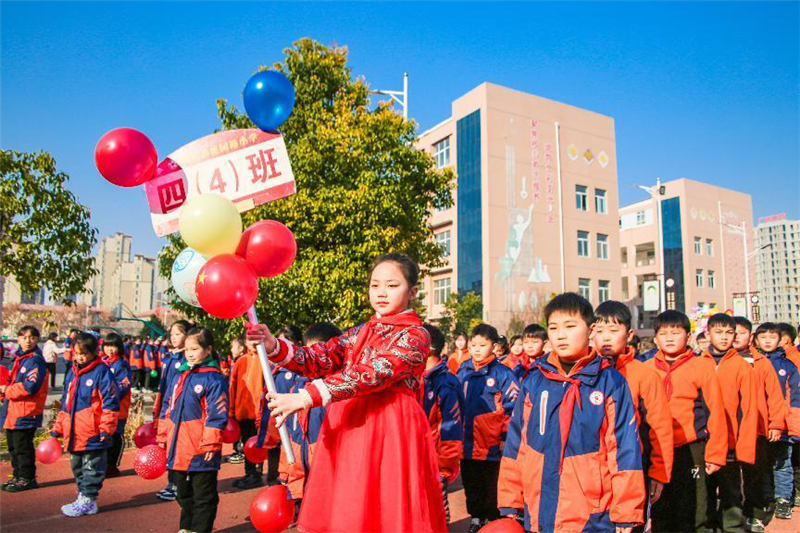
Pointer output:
268, 99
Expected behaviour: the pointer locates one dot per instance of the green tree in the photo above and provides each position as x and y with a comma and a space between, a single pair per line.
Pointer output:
363, 189
461, 314
46, 238
156, 322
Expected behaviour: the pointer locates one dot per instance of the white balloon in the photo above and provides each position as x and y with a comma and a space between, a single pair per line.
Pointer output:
184, 274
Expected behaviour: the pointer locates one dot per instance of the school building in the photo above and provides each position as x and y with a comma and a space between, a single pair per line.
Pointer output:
778, 268
536, 204
705, 235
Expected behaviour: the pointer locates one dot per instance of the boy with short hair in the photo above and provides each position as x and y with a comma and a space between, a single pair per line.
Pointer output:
768, 343
443, 403
699, 429
534, 339
771, 423
612, 336
23, 409
490, 390
573, 459
741, 412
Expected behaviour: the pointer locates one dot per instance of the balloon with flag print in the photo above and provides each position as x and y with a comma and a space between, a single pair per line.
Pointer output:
184, 275
226, 286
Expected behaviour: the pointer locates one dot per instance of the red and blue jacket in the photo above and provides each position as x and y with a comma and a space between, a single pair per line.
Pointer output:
89, 407
789, 379
26, 393
137, 357
443, 403
489, 394
194, 418
151, 358
303, 427
573, 459
170, 371
122, 376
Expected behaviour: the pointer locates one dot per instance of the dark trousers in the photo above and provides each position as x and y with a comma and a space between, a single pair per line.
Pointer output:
22, 452
273, 461
725, 498
796, 467
480, 487
248, 429
51, 369
115, 452
151, 383
137, 381
89, 469
759, 484
198, 498
682, 506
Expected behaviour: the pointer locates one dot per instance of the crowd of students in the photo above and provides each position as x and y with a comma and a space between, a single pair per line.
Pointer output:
566, 427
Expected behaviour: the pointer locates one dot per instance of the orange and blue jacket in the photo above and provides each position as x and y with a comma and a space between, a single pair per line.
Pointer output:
89, 407
737, 383
151, 358
793, 354
26, 393
489, 394
122, 377
194, 418
573, 460
653, 414
769, 395
444, 404
456, 359
789, 379
695, 403
304, 428
137, 357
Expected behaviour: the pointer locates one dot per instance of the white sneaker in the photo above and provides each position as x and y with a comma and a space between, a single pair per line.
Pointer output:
80, 507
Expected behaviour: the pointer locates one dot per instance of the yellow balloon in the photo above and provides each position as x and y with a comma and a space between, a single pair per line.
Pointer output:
210, 224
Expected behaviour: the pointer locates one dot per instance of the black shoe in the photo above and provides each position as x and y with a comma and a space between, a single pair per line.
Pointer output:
474, 527
250, 482
11, 481
783, 509
22, 484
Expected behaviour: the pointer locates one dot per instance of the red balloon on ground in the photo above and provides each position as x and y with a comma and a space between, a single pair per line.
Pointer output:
253, 453
269, 247
504, 525
4, 375
126, 157
150, 462
231, 432
271, 510
48, 451
145, 435
226, 286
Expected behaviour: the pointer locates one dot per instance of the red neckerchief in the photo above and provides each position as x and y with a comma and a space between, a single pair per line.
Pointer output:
110, 359
567, 407
182, 382
662, 364
18, 362
76, 374
400, 320
483, 363
625, 358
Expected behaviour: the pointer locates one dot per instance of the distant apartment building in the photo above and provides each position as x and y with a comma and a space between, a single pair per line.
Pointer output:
777, 244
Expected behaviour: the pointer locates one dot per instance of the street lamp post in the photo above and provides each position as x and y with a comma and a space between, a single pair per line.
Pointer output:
654, 193
395, 95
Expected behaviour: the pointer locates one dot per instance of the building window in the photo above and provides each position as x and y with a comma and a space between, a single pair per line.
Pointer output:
639, 218
443, 240
603, 291
585, 288
468, 204
600, 201
441, 291
697, 246
602, 246
712, 282
583, 243
441, 152
698, 277
709, 247
581, 203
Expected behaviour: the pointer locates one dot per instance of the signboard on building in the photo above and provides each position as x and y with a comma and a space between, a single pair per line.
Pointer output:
740, 306
650, 296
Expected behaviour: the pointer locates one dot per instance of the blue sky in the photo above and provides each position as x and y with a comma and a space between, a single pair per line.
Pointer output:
707, 91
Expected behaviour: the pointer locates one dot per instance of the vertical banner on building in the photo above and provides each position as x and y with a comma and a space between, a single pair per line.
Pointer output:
740, 306
651, 297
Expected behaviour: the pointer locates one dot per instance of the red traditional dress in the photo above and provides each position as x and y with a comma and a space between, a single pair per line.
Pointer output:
375, 466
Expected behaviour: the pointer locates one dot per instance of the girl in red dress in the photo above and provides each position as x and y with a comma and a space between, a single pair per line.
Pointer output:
375, 466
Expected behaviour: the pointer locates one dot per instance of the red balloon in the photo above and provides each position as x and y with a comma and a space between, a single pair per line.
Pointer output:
145, 435
504, 525
48, 451
126, 157
272, 510
454, 475
4, 375
269, 247
226, 286
231, 432
253, 453
150, 462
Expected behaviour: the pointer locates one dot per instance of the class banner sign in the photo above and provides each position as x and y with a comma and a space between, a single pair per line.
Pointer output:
250, 167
